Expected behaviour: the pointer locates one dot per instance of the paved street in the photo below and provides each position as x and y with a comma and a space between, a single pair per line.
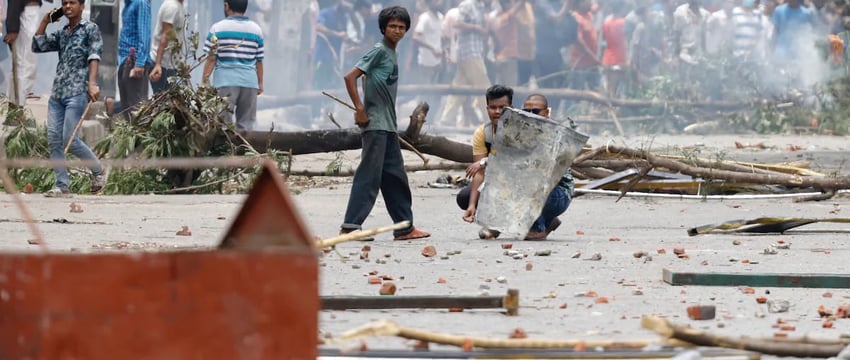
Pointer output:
150, 222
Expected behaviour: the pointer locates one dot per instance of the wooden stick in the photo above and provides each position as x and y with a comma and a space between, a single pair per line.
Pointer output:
764, 346
409, 168
77, 128
362, 234
400, 139
388, 328
15, 75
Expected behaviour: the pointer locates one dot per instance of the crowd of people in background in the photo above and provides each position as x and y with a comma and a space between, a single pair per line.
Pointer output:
611, 46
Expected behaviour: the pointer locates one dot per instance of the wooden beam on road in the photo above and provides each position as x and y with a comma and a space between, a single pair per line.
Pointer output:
509, 302
818, 281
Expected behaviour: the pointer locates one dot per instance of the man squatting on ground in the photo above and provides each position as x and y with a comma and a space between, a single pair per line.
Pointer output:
74, 86
381, 164
498, 98
237, 64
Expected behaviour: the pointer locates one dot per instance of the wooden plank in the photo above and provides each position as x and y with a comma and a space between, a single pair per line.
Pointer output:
509, 302
819, 281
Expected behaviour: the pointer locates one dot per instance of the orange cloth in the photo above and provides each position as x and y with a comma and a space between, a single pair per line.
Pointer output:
578, 57
515, 35
836, 48
614, 34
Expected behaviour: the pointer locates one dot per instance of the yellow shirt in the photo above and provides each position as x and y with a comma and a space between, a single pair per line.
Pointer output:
479, 142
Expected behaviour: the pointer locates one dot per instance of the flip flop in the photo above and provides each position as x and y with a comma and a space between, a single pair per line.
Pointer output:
553, 226
415, 234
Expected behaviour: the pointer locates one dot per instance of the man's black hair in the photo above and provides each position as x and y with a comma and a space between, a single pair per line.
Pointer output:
393, 13
237, 6
539, 96
499, 91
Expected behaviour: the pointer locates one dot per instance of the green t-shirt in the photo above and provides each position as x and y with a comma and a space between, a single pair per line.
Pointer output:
381, 85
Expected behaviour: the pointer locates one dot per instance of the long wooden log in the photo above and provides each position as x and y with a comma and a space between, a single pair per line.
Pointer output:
322, 141
764, 346
268, 102
820, 183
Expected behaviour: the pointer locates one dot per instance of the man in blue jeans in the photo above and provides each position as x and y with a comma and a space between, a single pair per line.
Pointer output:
381, 164
499, 97
79, 45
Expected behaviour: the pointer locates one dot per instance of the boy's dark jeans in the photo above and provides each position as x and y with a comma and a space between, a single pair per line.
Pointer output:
381, 168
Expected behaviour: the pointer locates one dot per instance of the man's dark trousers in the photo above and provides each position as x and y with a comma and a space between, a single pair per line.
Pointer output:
381, 168
132, 90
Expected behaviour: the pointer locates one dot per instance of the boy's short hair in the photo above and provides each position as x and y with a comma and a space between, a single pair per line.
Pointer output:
393, 13
499, 91
238, 6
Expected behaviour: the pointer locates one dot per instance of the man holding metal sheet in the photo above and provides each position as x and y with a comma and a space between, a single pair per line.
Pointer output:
498, 98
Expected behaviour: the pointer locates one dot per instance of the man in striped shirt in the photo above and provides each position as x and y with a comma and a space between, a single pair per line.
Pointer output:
235, 49
134, 45
750, 31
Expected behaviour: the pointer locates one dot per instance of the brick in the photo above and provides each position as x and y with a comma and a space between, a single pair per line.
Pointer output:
507, 246
366, 248
662, 251
787, 328
184, 231
429, 251
748, 290
529, 266
761, 299
387, 288
823, 312
827, 324
28, 189
455, 309
518, 333
827, 294
601, 300
563, 306
780, 335
467, 345
613, 238
702, 312
374, 280
441, 281
678, 250
579, 232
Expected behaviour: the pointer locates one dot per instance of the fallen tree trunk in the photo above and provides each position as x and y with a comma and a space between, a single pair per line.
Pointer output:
820, 183
267, 102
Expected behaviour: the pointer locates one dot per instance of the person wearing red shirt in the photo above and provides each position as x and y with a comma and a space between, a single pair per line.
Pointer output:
583, 60
614, 57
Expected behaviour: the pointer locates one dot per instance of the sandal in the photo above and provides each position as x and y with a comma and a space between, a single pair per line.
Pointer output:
553, 226
58, 193
416, 233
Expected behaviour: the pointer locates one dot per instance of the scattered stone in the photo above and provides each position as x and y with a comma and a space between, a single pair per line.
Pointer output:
484, 293
761, 299
502, 280
552, 294
702, 312
662, 251
637, 292
366, 248
420, 345
378, 261
386, 278
388, 255
455, 309
33, 242
221, 218
28, 188
704, 263
355, 266
733, 260
387, 289
613, 238
374, 280
543, 253
441, 281
596, 257
184, 231
736, 242
429, 251
511, 253
823, 312
778, 306
787, 328
780, 335
576, 255
745, 261
590, 293
843, 312
76, 208
529, 266
364, 255
444, 257
563, 306
507, 246
601, 300
640, 254
579, 232
782, 246
827, 324
827, 294
519, 257
748, 290
483, 287
518, 333
760, 315
678, 250
684, 256
770, 251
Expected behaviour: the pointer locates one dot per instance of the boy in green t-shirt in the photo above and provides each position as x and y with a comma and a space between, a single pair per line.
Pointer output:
381, 164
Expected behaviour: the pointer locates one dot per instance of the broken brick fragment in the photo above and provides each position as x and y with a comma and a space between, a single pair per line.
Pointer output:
76, 208
518, 333
843, 312
374, 280
421, 345
28, 188
580, 347
364, 255
823, 312
678, 250
745, 261
563, 306
387, 278
827, 324
429, 251
684, 256
702, 312
601, 300
579, 232
761, 299
184, 231
613, 238
787, 328
748, 290
827, 294
455, 309
373, 272
590, 293
366, 248
441, 281
662, 251
467, 345
507, 246
387, 289
529, 266
780, 335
